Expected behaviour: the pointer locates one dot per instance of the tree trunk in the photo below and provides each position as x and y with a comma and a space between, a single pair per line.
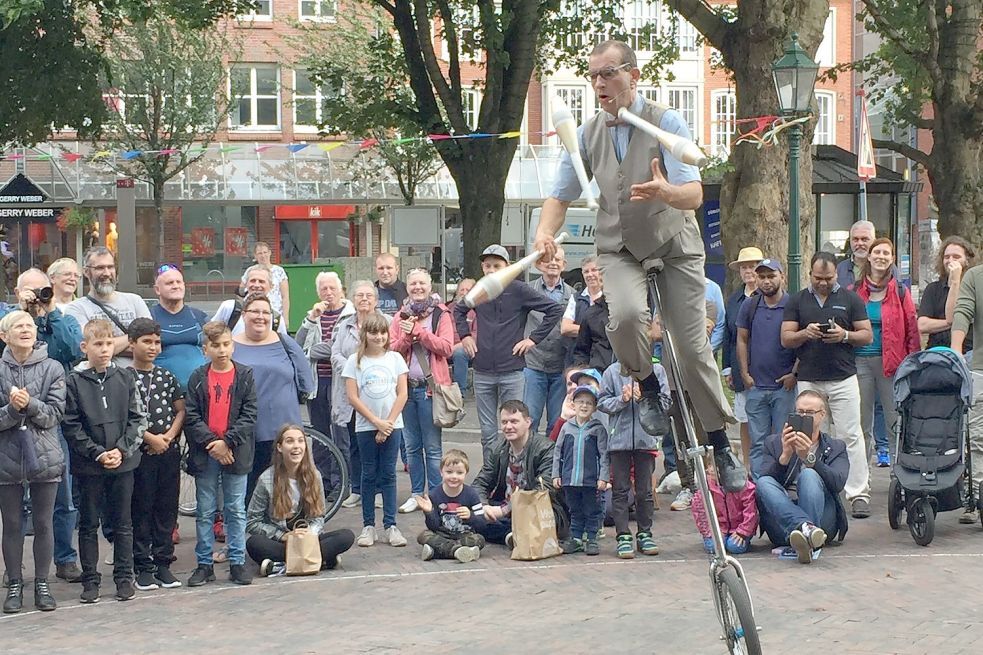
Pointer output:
956, 174
754, 197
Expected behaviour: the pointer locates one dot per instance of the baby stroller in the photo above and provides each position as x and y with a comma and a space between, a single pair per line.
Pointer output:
933, 392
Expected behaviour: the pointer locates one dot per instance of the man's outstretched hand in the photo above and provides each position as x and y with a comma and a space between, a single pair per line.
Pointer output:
656, 189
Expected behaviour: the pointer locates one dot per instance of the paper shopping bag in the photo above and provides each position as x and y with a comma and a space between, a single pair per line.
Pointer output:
303, 551
533, 526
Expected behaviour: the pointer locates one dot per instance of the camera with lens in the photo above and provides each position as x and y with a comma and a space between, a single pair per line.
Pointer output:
43, 295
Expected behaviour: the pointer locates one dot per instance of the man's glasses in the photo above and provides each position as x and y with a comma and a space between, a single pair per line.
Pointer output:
606, 73
104, 268
809, 412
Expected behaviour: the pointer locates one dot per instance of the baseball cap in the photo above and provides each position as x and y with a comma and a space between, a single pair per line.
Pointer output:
495, 250
585, 389
770, 264
592, 373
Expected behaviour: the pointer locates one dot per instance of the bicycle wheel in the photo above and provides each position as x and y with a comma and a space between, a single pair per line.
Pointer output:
736, 614
333, 467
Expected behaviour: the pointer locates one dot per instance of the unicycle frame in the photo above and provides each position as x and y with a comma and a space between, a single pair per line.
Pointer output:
687, 444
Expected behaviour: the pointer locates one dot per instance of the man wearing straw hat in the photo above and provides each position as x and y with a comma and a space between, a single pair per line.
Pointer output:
647, 204
747, 260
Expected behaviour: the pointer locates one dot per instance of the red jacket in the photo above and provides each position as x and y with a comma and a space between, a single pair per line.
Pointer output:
899, 324
736, 512
439, 345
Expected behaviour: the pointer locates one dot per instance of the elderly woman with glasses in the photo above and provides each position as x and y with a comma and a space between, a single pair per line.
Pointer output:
365, 297
64, 275
423, 334
281, 373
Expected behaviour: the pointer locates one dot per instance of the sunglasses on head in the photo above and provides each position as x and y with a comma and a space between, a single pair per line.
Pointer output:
166, 268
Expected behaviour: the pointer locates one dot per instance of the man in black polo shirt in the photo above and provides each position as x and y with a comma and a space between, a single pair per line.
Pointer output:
824, 323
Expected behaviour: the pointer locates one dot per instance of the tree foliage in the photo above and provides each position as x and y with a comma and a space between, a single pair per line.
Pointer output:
53, 53
165, 87
928, 74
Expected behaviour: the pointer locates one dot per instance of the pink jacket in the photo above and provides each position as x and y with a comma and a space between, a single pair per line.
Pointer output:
736, 512
439, 345
899, 325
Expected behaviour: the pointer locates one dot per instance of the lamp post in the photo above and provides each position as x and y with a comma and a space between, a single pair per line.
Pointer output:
795, 79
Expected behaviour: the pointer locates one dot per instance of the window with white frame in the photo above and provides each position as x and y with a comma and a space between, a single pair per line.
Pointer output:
642, 19
318, 9
309, 101
826, 55
471, 103
825, 133
650, 93
574, 97
683, 100
261, 10
256, 97
686, 39
723, 114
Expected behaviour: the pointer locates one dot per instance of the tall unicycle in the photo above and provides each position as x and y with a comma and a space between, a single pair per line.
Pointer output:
731, 596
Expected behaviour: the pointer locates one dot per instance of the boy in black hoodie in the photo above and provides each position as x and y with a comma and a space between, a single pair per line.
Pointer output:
219, 426
104, 424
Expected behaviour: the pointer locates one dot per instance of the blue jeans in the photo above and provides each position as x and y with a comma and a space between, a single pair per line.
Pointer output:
422, 439
233, 512
495, 532
341, 432
544, 391
582, 502
880, 429
490, 391
780, 515
459, 368
66, 516
767, 410
378, 474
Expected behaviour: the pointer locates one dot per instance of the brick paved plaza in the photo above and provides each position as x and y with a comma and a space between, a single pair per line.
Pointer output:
878, 593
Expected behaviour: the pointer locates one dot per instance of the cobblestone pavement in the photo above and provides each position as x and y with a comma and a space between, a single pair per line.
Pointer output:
878, 593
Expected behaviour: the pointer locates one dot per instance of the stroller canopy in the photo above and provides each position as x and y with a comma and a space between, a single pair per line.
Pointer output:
936, 370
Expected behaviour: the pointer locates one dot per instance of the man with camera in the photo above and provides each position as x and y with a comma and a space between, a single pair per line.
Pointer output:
814, 467
824, 323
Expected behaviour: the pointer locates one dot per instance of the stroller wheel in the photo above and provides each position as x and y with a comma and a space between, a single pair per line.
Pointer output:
895, 504
921, 521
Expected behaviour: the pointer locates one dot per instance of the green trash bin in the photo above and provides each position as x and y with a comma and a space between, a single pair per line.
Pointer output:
303, 291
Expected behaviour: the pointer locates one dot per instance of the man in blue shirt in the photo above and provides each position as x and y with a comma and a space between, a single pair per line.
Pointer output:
647, 202
764, 366
180, 326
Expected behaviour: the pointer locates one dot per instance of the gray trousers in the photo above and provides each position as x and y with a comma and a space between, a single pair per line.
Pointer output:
490, 391
682, 287
874, 385
976, 430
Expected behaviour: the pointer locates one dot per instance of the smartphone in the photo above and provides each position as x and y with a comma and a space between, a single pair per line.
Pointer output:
800, 423
826, 327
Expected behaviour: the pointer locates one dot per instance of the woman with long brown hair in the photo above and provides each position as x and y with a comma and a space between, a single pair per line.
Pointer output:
892, 316
290, 490
938, 301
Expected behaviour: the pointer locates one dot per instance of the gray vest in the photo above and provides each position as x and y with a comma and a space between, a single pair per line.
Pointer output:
641, 228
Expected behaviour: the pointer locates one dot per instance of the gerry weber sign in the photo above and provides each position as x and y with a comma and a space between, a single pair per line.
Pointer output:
18, 191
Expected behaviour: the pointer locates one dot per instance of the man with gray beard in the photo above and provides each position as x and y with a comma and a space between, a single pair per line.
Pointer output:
105, 302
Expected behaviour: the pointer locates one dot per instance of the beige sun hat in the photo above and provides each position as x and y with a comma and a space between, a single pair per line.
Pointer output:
747, 256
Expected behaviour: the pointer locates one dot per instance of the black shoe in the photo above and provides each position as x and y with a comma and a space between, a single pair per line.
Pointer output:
165, 578
90, 593
146, 581
652, 415
239, 575
124, 590
592, 548
43, 600
15, 597
68, 572
204, 573
861, 509
730, 472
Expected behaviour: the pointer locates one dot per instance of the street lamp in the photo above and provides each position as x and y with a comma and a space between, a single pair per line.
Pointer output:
795, 79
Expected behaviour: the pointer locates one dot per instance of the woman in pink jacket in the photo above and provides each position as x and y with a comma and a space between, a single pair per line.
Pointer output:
737, 514
892, 316
423, 328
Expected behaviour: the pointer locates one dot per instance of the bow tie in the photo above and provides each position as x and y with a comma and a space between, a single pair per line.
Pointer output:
615, 123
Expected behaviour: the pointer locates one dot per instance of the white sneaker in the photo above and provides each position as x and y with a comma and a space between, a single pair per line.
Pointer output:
683, 500
353, 500
109, 561
409, 506
467, 553
395, 537
427, 553
367, 538
378, 501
